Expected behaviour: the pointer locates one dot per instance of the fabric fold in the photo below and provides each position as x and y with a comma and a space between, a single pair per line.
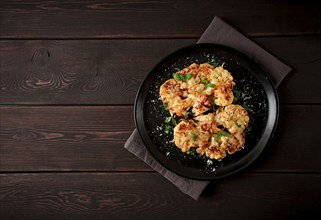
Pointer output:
217, 32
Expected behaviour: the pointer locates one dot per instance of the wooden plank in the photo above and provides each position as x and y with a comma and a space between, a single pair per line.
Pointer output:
157, 19
302, 54
296, 143
78, 72
79, 138
150, 196
110, 71
67, 138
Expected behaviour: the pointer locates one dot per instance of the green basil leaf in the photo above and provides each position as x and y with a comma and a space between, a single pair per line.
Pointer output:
168, 119
189, 76
211, 85
174, 121
179, 77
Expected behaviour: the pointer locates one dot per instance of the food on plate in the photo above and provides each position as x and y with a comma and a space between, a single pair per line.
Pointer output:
215, 125
197, 87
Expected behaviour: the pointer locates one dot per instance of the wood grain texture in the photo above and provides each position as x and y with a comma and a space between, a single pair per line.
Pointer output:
303, 55
78, 72
149, 195
69, 73
111, 71
64, 138
153, 19
92, 138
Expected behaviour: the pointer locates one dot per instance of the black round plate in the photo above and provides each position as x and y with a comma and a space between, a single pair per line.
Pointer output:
255, 92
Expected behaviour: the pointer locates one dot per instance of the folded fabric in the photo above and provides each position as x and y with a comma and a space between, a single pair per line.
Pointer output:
220, 33
135, 145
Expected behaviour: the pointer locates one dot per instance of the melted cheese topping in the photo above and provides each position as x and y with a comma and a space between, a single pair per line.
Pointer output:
196, 89
214, 134
202, 85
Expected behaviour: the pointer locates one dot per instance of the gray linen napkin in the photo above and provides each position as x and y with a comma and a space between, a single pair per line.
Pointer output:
221, 33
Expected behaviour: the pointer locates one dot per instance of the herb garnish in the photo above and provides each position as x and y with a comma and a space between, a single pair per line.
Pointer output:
236, 94
179, 77
222, 134
194, 136
189, 76
174, 121
165, 106
167, 128
248, 129
187, 114
191, 151
168, 119
245, 107
207, 84
211, 85
213, 62
171, 119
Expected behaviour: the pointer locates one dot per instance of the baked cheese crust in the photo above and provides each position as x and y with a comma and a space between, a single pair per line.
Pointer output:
196, 89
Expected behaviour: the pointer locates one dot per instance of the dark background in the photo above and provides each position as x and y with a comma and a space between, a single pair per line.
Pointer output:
69, 73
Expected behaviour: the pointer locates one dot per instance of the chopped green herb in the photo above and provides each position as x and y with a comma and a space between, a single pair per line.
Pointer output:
189, 76
207, 84
239, 125
191, 151
167, 129
222, 134
213, 63
204, 80
186, 115
194, 136
168, 119
211, 85
179, 77
236, 92
171, 119
217, 136
174, 121
165, 106
245, 107
248, 129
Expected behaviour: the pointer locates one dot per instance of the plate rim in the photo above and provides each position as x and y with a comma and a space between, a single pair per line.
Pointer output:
245, 162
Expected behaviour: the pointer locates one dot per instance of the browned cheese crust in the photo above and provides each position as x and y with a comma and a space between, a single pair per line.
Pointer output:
196, 89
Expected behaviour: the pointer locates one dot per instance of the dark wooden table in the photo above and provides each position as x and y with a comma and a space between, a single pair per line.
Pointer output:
69, 74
